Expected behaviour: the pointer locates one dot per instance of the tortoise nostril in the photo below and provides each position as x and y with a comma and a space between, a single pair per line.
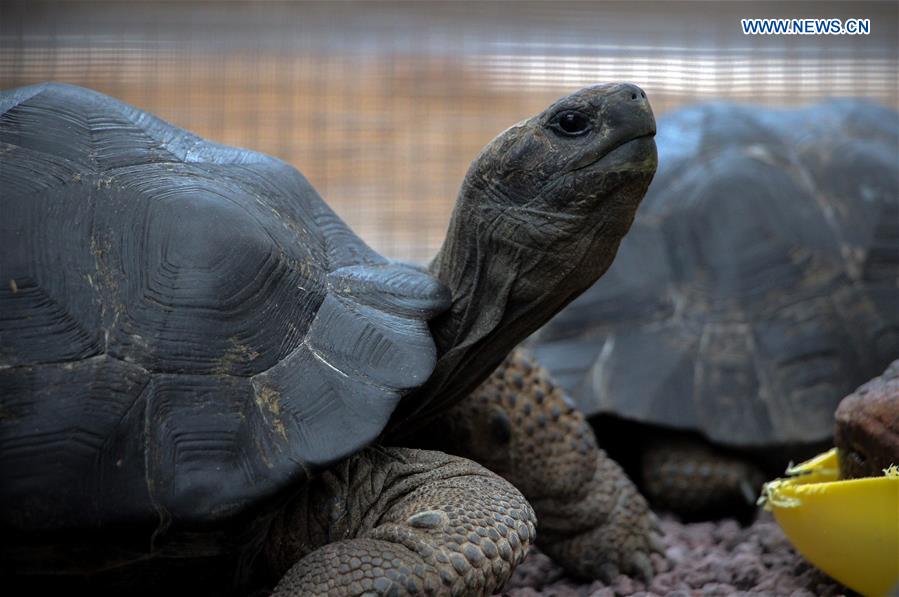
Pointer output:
635, 93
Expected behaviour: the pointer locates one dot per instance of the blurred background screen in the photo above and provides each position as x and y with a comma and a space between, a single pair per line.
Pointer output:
383, 105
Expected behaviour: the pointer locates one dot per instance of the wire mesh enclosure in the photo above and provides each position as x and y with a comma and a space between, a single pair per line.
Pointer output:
383, 105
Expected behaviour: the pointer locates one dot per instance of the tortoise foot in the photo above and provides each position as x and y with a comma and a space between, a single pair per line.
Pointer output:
418, 523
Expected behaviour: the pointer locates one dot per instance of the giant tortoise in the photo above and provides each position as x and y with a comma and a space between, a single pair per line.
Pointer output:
757, 287
206, 378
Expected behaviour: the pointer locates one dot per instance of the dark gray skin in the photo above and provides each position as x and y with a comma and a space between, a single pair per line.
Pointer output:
219, 459
538, 220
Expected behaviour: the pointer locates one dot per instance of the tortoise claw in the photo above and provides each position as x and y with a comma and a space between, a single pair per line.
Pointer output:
657, 542
641, 565
608, 572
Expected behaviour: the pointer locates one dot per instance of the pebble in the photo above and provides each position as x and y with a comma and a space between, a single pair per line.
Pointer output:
703, 559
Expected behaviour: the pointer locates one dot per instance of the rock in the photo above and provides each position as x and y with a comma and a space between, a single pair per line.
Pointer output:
867, 426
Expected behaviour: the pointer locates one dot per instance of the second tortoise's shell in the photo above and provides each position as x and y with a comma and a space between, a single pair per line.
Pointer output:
758, 285
187, 328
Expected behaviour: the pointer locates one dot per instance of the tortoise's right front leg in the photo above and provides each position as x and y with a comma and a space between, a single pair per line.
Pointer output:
395, 521
519, 424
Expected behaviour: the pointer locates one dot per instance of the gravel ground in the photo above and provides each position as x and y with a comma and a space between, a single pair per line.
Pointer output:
704, 559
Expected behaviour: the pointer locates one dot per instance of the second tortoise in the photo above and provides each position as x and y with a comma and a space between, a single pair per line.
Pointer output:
757, 287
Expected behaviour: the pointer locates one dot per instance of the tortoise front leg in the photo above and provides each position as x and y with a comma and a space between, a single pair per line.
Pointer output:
395, 521
520, 425
692, 478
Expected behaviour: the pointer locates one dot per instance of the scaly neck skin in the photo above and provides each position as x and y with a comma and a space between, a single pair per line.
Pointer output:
502, 290
539, 218
488, 272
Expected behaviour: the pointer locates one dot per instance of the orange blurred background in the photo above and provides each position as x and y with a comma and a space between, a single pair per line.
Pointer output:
383, 105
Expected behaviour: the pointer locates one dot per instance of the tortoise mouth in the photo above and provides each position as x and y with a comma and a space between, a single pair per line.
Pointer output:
638, 152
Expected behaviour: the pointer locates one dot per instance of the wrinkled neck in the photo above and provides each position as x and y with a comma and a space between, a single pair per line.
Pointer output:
502, 291
458, 265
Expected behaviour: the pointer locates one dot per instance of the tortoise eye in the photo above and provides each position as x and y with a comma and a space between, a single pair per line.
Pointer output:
571, 123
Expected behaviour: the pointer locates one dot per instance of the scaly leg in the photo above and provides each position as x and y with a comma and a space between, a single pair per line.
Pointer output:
396, 521
520, 425
693, 479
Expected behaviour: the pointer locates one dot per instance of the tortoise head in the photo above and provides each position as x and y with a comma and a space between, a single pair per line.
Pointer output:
538, 219
550, 181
